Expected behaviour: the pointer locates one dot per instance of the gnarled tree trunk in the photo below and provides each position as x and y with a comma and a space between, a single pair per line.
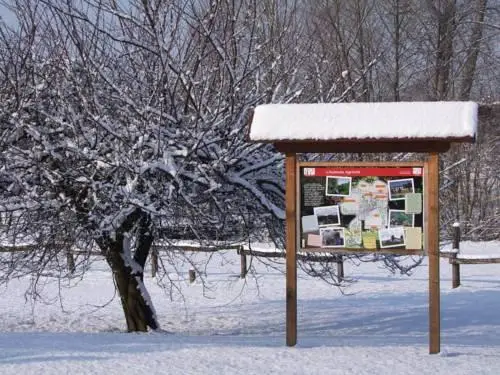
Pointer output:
128, 270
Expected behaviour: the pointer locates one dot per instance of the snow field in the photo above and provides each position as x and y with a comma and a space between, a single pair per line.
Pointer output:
235, 326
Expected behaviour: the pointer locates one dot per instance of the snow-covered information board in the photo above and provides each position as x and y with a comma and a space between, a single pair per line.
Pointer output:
361, 207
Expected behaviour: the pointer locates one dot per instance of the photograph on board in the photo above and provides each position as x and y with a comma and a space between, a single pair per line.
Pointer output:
392, 237
399, 188
338, 186
399, 218
332, 237
327, 215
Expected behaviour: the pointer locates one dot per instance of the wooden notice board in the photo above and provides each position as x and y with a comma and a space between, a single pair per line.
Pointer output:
381, 207
363, 208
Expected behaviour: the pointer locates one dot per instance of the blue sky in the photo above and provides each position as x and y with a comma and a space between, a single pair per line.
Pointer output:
6, 15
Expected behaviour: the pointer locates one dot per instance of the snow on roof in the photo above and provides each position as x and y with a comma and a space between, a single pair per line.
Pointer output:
347, 121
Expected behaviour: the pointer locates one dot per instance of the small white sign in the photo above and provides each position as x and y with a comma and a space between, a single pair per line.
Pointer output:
309, 171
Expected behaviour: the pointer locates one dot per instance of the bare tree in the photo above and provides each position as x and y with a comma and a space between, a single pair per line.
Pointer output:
131, 121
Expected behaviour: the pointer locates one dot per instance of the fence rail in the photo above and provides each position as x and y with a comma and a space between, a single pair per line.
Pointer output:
316, 255
309, 255
455, 260
325, 256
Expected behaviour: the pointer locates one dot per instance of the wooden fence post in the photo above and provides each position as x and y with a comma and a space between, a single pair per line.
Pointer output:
243, 259
192, 276
71, 261
455, 267
340, 268
154, 262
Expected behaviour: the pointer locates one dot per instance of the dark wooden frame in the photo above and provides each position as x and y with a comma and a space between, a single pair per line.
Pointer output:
430, 229
367, 146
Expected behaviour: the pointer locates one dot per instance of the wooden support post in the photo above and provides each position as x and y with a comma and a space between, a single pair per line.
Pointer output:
340, 268
432, 245
192, 276
455, 267
455, 272
291, 249
154, 262
71, 262
243, 259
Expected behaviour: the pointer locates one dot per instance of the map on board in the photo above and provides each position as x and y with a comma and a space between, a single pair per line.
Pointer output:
361, 207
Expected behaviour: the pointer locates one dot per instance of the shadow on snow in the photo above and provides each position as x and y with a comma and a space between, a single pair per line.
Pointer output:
468, 318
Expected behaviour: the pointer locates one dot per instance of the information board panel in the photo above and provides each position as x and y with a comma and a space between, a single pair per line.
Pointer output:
361, 207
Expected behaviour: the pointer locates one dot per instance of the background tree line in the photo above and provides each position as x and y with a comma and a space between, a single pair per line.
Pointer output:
123, 123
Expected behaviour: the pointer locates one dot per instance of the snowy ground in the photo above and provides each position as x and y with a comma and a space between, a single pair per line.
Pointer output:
237, 327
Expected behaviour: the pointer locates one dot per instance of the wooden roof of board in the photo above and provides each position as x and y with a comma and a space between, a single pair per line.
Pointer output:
365, 127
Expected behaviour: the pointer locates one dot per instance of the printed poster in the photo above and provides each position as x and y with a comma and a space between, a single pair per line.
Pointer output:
361, 207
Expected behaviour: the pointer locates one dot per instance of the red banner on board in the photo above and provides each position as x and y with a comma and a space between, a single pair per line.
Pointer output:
363, 172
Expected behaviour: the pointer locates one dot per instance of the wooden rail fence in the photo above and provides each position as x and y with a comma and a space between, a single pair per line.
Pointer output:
333, 256
241, 251
455, 259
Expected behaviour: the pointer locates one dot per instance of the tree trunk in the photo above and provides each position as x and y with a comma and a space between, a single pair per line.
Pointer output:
128, 270
473, 51
446, 12
139, 315
397, 51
